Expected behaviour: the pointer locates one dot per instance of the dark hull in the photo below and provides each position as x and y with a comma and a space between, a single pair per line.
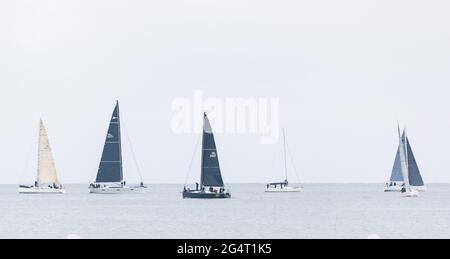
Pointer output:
204, 195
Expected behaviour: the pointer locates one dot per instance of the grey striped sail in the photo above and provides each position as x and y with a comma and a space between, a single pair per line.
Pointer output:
110, 169
210, 171
415, 177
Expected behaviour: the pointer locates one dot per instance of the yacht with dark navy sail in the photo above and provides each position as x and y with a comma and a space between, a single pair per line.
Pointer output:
110, 179
211, 182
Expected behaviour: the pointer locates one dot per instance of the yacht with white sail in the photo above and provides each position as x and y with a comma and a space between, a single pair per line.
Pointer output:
397, 182
47, 179
279, 187
110, 173
211, 182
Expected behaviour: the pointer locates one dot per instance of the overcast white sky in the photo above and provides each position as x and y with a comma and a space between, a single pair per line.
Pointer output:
345, 72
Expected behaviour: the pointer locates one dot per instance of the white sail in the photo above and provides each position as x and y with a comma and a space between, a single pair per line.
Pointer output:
46, 163
404, 161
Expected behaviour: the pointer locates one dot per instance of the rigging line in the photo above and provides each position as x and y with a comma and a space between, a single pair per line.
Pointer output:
293, 163
192, 160
132, 149
285, 155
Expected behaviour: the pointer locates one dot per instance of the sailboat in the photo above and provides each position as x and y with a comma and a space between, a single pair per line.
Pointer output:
47, 178
283, 186
397, 180
407, 191
211, 182
110, 173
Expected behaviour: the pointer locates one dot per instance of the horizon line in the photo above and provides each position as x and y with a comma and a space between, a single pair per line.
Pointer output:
166, 183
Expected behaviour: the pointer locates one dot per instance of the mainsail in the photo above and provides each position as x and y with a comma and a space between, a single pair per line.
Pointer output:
415, 177
396, 175
46, 163
211, 174
404, 160
110, 169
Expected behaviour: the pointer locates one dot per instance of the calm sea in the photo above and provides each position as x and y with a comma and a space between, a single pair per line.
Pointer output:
321, 211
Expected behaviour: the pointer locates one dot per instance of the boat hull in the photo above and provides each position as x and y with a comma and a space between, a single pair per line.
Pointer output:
205, 195
284, 190
115, 190
399, 188
37, 190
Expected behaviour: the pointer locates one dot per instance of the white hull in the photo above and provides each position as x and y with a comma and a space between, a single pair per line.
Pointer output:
399, 188
37, 190
115, 190
285, 189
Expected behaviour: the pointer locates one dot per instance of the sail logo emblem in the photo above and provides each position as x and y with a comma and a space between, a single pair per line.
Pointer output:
213, 155
110, 135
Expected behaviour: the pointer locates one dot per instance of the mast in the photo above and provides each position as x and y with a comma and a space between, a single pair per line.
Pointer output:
203, 151
403, 159
120, 140
285, 155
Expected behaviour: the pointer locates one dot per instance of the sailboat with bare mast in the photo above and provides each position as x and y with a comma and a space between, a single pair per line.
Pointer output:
283, 186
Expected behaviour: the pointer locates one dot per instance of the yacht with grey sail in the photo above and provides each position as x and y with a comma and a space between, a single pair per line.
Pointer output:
211, 182
281, 187
397, 181
110, 177
47, 178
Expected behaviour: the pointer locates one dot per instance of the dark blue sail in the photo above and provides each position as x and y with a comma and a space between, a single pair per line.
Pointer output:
211, 174
396, 175
415, 179
110, 169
